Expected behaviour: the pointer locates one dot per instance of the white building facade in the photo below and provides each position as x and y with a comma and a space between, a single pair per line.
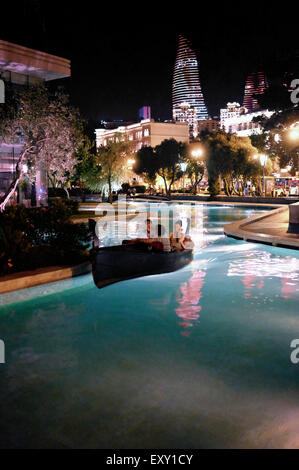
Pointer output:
146, 133
237, 120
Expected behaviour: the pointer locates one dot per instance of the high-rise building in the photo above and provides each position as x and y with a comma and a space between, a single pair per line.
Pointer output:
186, 113
187, 93
256, 84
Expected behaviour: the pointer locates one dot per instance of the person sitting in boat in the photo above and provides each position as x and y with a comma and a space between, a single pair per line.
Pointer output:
178, 240
162, 243
147, 241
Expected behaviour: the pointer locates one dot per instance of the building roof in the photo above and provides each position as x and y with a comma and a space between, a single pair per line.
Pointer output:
27, 61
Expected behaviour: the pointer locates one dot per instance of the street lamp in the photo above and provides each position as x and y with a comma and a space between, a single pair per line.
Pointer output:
294, 132
197, 153
263, 160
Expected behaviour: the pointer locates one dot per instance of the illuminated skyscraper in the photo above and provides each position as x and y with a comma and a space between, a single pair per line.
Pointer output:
187, 92
256, 84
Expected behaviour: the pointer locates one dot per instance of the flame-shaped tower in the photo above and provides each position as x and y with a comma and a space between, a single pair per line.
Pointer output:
256, 84
188, 101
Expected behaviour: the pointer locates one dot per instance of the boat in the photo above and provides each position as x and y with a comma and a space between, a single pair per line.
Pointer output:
121, 263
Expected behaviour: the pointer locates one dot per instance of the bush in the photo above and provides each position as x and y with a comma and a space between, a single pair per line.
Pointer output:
33, 238
139, 189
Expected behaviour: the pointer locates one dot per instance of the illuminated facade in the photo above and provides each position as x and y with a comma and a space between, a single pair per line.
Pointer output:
236, 120
187, 88
256, 84
231, 112
186, 113
147, 133
209, 125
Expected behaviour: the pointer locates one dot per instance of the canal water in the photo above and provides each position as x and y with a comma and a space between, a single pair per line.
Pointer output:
200, 358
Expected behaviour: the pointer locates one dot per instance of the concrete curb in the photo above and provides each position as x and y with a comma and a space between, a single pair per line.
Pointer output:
20, 281
238, 231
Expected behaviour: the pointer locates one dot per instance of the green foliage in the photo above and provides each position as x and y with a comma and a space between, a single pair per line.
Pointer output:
49, 131
277, 138
33, 238
170, 155
88, 172
146, 165
195, 172
214, 185
112, 161
231, 158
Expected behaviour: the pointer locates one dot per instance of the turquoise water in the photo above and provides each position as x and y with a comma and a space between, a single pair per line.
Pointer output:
195, 359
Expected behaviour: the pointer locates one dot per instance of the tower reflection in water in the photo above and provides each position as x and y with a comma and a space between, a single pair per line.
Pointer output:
189, 302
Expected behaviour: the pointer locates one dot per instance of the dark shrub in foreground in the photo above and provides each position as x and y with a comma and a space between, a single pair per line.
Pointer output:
39, 237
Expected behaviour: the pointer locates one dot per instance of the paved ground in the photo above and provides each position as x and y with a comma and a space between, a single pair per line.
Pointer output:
276, 225
271, 229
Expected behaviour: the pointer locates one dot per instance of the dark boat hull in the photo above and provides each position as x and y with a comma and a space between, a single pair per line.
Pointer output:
121, 263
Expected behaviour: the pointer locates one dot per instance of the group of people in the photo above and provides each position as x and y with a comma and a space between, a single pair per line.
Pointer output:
177, 240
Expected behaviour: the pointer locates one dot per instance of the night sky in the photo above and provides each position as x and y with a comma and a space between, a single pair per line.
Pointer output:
121, 62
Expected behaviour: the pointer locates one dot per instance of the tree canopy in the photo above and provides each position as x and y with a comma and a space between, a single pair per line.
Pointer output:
231, 158
112, 160
48, 129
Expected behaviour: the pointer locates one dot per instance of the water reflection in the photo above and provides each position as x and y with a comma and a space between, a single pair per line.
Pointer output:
189, 301
256, 266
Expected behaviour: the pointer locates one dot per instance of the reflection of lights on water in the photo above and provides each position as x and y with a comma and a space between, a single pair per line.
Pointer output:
262, 264
257, 266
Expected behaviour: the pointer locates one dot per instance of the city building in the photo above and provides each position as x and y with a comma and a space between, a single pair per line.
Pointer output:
256, 84
187, 96
22, 66
236, 120
146, 133
186, 113
210, 125
114, 124
232, 110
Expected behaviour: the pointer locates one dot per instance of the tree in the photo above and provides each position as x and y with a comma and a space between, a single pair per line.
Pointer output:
195, 172
277, 138
49, 131
87, 171
113, 160
229, 157
170, 155
146, 164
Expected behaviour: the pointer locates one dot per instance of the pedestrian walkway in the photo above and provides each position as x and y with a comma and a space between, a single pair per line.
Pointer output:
271, 229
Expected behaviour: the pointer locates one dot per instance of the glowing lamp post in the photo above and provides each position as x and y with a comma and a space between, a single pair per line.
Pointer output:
263, 160
294, 133
197, 153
